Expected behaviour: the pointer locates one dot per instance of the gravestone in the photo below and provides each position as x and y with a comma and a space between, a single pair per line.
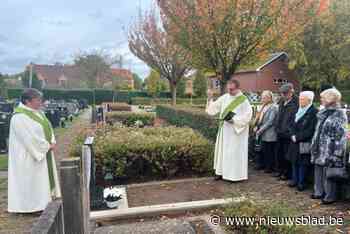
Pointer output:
96, 192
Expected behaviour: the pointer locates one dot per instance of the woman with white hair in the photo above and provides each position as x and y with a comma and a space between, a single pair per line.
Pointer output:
302, 130
265, 130
328, 145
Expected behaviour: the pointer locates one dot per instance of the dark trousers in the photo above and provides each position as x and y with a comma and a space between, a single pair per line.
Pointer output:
298, 174
267, 155
323, 186
282, 164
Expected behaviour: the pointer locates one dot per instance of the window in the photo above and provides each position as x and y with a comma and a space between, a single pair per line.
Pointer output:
217, 83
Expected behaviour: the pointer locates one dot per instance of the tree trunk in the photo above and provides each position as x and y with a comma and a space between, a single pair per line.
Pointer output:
173, 93
223, 82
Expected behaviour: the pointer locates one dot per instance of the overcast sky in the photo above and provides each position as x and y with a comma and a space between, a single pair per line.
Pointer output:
49, 31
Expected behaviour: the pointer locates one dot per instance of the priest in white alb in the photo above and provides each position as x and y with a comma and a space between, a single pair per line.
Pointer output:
32, 173
231, 149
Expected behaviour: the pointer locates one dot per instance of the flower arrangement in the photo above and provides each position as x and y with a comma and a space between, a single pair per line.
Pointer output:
112, 196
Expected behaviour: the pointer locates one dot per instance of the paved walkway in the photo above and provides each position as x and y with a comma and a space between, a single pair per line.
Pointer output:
18, 223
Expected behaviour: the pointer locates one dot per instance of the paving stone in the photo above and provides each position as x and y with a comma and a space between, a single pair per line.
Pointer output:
173, 226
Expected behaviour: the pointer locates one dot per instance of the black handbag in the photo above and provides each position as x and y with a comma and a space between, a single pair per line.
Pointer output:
337, 173
257, 144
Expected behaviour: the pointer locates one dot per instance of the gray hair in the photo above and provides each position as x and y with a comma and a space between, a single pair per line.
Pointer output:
267, 93
30, 94
308, 94
331, 95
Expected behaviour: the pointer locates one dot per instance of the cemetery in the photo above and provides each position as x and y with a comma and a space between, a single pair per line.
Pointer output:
157, 178
187, 116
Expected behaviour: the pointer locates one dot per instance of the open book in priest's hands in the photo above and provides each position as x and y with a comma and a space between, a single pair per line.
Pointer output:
227, 117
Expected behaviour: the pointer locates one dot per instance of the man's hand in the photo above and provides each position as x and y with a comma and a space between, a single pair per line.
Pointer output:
210, 94
258, 132
294, 139
52, 147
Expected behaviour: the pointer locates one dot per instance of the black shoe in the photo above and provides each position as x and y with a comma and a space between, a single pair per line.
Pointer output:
276, 174
218, 177
259, 168
283, 177
292, 184
268, 171
313, 196
324, 202
301, 188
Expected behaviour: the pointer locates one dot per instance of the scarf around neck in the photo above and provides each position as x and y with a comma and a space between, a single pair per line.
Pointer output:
301, 112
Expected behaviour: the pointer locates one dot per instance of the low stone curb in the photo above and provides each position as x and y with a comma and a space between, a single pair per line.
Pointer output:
144, 211
169, 182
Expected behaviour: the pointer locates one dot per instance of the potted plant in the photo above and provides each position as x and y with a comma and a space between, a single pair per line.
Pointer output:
112, 198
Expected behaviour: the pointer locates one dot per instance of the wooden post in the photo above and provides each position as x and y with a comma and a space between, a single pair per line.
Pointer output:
72, 185
86, 177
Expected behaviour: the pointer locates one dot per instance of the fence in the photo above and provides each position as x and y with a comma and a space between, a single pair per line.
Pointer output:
51, 220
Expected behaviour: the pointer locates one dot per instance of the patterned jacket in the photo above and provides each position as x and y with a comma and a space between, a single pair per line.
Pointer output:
331, 147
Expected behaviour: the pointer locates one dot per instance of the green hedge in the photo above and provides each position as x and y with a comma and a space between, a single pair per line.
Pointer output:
157, 101
346, 96
195, 118
130, 118
101, 95
119, 106
149, 153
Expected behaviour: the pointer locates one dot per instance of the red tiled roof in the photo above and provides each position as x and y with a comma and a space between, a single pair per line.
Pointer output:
123, 73
52, 73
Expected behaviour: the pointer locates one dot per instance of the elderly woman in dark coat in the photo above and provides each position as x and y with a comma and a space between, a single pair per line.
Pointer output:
328, 145
302, 131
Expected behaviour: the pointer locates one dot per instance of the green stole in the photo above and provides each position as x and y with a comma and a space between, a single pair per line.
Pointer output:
48, 130
231, 107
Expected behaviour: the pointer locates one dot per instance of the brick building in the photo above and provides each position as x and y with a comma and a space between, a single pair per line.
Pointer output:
268, 76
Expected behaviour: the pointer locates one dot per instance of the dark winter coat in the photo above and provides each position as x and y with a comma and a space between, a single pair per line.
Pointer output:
285, 116
331, 146
303, 130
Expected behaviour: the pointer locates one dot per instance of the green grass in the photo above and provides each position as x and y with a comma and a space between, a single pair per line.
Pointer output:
3, 162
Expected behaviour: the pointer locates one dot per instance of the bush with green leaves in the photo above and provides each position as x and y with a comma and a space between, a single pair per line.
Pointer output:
119, 106
275, 210
195, 118
149, 153
130, 118
157, 101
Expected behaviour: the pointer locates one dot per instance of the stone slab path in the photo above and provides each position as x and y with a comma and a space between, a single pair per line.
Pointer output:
18, 223
174, 226
260, 187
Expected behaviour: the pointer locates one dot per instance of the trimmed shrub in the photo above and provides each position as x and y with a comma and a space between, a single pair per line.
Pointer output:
119, 106
130, 118
249, 209
101, 95
160, 101
149, 153
195, 118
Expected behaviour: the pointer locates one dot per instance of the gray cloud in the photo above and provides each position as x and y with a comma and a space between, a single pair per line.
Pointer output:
96, 15
54, 31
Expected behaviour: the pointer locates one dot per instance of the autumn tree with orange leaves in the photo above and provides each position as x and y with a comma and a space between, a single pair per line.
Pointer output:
150, 43
224, 35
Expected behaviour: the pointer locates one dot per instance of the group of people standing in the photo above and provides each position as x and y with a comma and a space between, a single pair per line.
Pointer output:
293, 137
297, 138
